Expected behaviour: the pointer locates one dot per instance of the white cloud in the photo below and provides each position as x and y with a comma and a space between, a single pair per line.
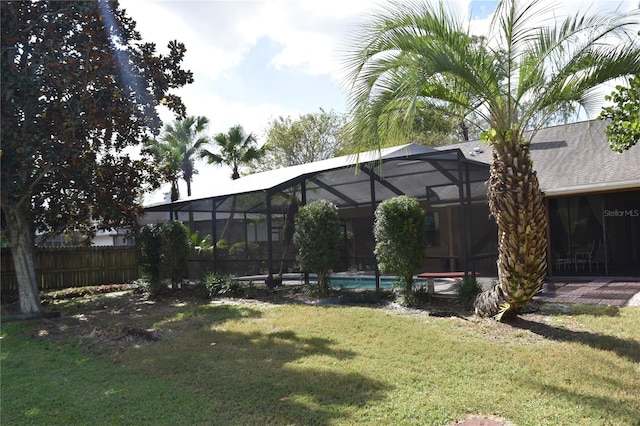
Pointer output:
214, 47
306, 36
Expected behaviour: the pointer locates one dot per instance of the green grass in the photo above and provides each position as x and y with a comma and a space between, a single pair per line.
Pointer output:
296, 364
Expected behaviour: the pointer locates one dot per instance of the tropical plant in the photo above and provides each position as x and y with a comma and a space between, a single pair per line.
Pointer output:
467, 289
400, 230
79, 89
236, 148
624, 130
528, 68
176, 149
317, 240
215, 284
210, 285
199, 243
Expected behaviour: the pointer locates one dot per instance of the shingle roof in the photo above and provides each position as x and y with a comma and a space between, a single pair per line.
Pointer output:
573, 158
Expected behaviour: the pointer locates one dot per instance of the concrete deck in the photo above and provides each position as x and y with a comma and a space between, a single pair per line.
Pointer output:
613, 291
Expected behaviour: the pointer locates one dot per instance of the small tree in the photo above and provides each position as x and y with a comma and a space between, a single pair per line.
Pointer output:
400, 233
162, 253
317, 239
149, 245
175, 251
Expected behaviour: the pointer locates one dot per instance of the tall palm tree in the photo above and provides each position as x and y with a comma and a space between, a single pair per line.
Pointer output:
236, 150
177, 148
528, 68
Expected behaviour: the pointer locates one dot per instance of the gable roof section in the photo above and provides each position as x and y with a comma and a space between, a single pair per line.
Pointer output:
573, 158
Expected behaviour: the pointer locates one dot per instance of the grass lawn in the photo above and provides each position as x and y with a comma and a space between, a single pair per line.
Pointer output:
257, 363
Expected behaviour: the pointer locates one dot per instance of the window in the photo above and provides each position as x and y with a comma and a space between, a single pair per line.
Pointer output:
433, 229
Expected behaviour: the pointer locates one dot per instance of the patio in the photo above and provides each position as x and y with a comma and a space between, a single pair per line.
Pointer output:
620, 291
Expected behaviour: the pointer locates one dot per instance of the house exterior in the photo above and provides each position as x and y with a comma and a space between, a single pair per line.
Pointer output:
592, 196
114, 237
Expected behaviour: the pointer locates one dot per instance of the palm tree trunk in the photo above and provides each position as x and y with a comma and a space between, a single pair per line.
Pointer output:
515, 201
175, 192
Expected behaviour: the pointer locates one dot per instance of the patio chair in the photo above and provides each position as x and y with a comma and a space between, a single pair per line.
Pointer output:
561, 261
587, 256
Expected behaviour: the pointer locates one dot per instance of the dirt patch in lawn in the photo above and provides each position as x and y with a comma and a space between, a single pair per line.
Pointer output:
111, 319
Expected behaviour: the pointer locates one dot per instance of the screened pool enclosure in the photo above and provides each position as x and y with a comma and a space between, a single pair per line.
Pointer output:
251, 219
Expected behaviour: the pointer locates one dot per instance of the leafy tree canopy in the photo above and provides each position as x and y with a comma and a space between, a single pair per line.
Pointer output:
79, 87
310, 137
624, 130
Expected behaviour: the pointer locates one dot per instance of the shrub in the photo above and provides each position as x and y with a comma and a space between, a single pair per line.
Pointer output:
149, 247
175, 251
163, 251
400, 234
242, 250
215, 284
317, 240
467, 289
201, 244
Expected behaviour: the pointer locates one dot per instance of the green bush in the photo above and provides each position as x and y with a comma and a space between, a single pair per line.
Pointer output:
163, 252
175, 251
467, 289
242, 250
317, 240
149, 247
215, 284
400, 234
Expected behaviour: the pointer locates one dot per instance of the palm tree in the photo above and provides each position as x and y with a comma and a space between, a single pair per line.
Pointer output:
236, 150
520, 76
176, 149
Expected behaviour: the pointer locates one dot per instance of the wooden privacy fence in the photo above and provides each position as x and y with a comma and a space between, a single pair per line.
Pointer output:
63, 267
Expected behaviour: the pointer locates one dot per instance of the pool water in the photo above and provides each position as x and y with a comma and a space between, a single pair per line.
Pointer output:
370, 282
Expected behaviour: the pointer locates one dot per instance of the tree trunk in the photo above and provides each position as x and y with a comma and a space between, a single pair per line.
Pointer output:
323, 286
20, 236
175, 191
515, 201
229, 219
487, 303
289, 230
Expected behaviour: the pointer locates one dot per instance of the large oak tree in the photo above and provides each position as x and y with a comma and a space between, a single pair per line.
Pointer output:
79, 87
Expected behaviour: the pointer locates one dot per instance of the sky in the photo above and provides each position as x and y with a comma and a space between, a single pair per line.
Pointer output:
254, 61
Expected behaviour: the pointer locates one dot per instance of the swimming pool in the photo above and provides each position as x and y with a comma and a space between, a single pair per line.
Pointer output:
368, 281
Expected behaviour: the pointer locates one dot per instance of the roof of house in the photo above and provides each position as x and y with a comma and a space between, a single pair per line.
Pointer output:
573, 158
